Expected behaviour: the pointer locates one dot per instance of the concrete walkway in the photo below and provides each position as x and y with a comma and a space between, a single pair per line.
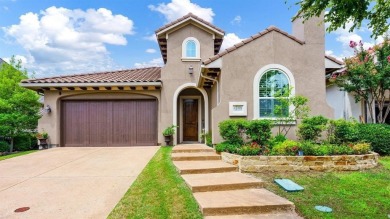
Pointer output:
222, 192
69, 182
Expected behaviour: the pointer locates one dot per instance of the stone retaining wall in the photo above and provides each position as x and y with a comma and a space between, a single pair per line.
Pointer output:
258, 164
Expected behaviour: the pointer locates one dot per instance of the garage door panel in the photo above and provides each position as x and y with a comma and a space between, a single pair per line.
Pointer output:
75, 113
124, 122
98, 123
146, 130
109, 123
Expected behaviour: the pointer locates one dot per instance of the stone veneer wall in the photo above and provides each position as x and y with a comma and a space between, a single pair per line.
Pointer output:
258, 164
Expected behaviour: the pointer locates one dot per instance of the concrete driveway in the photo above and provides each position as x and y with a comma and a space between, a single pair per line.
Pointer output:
69, 182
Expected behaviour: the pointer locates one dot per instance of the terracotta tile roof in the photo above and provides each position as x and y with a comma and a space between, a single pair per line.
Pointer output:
334, 60
152, 74
250, 39
188, 16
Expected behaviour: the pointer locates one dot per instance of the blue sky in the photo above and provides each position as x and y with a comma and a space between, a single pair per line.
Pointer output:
66, 36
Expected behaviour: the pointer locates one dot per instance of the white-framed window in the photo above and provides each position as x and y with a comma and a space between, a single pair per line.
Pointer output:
191, 49
270, 81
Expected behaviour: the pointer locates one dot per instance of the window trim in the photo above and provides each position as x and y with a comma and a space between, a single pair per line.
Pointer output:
256, 83
184, 50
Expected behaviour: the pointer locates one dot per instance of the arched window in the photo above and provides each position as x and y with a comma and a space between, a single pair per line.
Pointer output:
190, 49
271, 82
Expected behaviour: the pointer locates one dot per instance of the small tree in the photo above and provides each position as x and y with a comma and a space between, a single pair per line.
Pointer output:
288, 109
367, 77
19, 107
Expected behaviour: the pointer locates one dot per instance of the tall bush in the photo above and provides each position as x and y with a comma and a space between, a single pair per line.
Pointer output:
259, 131
232, 130
378, 135
311, 128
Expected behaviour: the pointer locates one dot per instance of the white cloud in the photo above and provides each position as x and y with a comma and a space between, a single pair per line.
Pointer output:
179, 8
150, 51
229, 40
151, 38
20, 58
236, 20
60, 40
152, 63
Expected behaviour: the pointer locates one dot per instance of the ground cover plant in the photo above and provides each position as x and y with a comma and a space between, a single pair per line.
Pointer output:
158, 192
360, 194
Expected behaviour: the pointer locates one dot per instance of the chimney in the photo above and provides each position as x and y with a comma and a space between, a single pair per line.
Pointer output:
311, 31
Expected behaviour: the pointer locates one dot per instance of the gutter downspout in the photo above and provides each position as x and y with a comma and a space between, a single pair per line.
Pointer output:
212, 79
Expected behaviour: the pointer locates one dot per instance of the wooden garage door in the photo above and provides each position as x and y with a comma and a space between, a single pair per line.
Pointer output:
109, 123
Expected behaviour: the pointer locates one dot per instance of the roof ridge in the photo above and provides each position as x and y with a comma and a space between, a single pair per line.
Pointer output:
189, 15
250, 39
91, 73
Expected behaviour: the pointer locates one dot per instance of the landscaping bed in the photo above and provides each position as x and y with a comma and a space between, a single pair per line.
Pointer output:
260, 164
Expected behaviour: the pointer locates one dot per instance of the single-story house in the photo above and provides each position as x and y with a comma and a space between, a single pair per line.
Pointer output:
198, 87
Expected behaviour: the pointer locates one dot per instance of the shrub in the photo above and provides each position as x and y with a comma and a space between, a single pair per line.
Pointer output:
22, 143
4, 146
227, 147
361, 148
341, 131
276, 140
311, 148
311, 128
249, 150
288, 147
232, 130
259, 130
378, 135
208, 139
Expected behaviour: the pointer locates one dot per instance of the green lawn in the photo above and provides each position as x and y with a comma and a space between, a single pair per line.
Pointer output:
16, 154
362, 194
158, 192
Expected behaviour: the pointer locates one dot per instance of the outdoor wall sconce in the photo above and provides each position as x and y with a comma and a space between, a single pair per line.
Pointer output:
47, 109
191, 70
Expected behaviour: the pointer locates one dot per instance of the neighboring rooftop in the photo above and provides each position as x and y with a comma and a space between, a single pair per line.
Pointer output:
161, 33
151, 74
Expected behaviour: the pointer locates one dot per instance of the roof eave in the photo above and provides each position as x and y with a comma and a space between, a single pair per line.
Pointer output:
34, 86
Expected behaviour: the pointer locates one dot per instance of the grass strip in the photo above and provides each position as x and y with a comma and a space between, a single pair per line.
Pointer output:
158, 192
4, 157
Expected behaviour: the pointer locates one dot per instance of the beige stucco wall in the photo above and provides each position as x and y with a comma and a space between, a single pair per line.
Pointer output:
51, 122
175, 74
305, 62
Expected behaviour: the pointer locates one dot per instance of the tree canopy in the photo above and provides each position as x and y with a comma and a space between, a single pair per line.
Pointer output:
367, 77
340, 12
19, 107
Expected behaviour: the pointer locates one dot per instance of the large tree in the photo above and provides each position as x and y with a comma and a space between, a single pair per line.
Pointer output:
367, 77
376, 12
19, 107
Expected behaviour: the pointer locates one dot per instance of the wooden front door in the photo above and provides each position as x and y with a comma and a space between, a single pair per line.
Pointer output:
190, 120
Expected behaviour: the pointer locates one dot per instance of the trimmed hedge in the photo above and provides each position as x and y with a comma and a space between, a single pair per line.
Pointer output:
378, 135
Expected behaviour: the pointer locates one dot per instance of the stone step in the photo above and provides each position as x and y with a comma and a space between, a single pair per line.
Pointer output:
206, 166
221, 181
245, 201
257, 216
192, 148
196, 156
